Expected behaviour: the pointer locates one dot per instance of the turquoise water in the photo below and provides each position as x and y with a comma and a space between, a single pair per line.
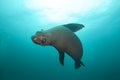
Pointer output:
21, 59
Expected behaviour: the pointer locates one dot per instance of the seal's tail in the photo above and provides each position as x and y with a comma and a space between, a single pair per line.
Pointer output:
74, 26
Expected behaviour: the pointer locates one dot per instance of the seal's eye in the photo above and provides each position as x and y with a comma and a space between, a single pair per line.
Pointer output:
43, 41
38, 33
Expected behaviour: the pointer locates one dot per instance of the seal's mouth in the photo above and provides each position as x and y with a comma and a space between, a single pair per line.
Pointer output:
39, 40
35, 39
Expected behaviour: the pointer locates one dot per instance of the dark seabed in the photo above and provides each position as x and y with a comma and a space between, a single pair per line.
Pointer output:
21, 59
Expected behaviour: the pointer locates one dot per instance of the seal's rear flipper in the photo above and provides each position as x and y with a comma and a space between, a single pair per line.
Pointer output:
78, 64
82, 63
74, 26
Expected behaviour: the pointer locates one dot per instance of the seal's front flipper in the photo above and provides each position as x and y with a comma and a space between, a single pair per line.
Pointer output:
61, 56
74, 26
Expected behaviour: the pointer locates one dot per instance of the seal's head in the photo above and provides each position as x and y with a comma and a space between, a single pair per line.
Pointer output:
40, 38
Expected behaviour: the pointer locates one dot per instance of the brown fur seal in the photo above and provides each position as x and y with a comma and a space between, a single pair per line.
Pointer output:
64, 40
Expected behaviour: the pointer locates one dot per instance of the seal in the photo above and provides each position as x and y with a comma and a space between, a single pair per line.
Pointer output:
62, 37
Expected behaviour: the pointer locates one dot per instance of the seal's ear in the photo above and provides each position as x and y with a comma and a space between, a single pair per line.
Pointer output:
39, 32
42, 30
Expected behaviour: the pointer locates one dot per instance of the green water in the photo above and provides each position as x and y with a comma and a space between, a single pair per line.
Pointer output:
21, 59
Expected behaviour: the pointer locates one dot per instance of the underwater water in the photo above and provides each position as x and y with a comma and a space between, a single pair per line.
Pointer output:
21, 59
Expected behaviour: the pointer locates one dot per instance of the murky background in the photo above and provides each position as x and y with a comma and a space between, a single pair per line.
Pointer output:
21, 59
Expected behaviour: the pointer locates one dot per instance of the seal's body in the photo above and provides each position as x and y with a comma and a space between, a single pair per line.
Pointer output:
64, 40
